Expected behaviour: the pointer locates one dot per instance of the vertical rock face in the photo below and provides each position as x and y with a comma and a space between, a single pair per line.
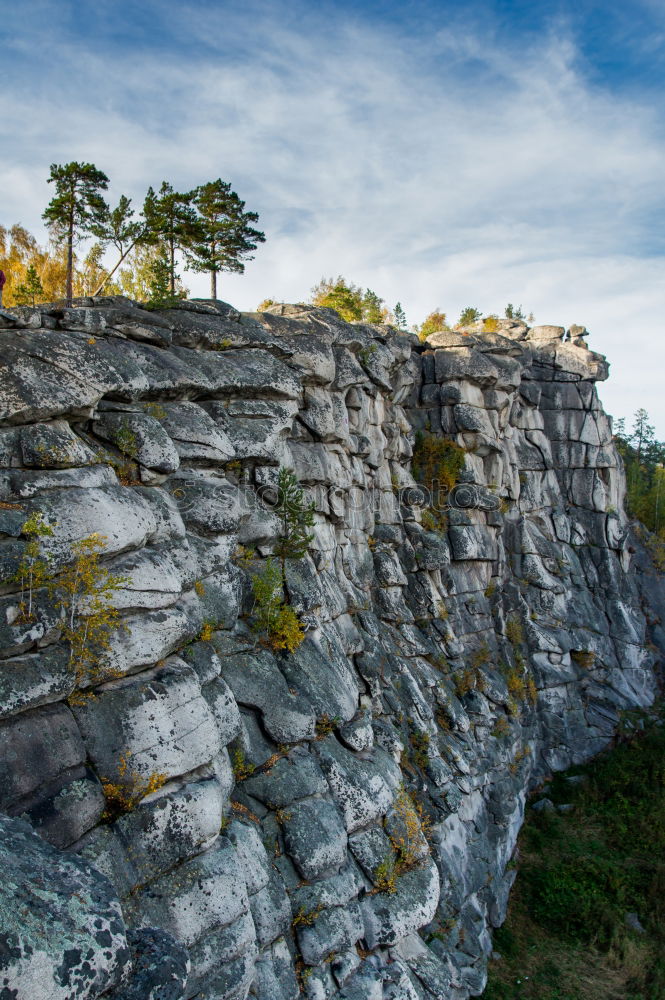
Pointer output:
335, 821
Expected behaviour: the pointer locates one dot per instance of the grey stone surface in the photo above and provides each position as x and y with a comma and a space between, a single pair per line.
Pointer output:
315, 837
61, 925
159, 967
156, 723
238, 796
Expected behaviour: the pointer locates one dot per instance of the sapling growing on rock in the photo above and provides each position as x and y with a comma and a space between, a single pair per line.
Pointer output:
296, 517
124, 796
84, 592
273, 615
33, 571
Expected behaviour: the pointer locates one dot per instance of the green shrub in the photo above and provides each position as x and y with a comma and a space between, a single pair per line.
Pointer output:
385, 876
469, 316
296, 517
273, 616
581, 872
436, 465
514, 631
84, 593
420, 742
578, 898
434, 323
437, 462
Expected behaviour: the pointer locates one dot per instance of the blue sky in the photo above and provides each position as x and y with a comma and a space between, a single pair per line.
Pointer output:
443, 154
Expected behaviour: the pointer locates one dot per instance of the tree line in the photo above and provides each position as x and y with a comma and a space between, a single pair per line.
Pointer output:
208, 225
355, 304
644, 461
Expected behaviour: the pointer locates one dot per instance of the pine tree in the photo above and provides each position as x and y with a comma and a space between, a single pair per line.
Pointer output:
118, 227
373, 310
161, 281
643, 458
400, 317
296, 517
171, 222
76, 207
225, 238
469, 316
642, 436
30, 289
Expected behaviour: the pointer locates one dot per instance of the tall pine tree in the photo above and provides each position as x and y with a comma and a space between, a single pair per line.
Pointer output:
171, 222
75, 208
225, 238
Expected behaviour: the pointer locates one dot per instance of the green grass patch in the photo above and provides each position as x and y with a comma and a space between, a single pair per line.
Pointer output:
580, 873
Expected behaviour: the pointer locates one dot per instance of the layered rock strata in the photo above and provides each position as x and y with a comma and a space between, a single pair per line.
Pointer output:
199, 815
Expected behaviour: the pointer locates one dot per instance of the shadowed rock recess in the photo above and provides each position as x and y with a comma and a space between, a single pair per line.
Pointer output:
198, 815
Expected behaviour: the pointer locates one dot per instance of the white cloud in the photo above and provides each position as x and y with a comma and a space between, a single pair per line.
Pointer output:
436, 168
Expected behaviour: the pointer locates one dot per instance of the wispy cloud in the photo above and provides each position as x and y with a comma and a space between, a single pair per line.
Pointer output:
424, 160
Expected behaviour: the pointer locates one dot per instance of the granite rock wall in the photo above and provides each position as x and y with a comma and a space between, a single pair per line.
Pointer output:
199, 815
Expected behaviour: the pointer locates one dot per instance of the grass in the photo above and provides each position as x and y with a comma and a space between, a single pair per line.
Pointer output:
566, 936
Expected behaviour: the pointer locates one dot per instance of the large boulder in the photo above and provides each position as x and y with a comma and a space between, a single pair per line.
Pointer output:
62, 933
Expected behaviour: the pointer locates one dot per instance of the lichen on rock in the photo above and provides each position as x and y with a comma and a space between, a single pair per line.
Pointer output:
222, 816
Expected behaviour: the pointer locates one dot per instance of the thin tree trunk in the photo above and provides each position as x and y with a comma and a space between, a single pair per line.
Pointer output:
213, 284
111, 273
172, 268
69, 293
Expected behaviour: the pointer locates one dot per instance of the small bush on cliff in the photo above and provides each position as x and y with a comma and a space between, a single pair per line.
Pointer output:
296, 517
125, 795
469, 316
436, 465
385, 876
350, 302
514, 630
272, 615
242, 768
434, 323
408, 832
84, 592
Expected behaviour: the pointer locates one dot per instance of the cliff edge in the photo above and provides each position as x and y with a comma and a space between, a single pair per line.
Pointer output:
216, 817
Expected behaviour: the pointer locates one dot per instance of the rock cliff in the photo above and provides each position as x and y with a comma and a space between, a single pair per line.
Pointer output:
190, 812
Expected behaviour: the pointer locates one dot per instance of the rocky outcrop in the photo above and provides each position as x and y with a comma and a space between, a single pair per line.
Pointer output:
218, 818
